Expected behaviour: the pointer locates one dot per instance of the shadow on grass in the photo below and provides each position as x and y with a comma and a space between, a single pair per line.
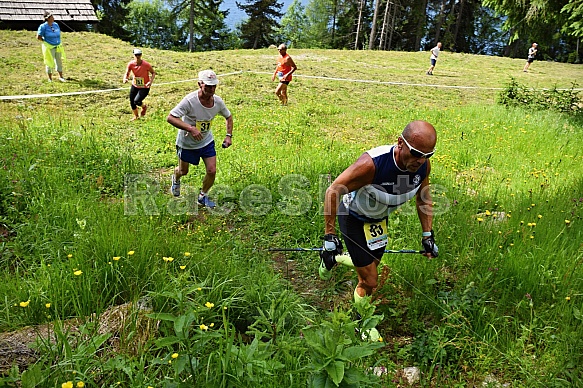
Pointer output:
97, 84
577, 119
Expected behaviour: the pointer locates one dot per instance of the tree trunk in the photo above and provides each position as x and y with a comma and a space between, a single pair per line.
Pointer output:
191, 27
420, 24
392, 29
373, 29
359, 24
334, 23
440, 20
385, 27
457, 25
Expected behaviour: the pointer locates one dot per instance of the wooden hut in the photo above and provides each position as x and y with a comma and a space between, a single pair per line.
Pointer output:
72, 15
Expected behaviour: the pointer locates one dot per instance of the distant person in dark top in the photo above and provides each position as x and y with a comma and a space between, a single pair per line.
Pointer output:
433, 58
283, 71
531, 54
53, 53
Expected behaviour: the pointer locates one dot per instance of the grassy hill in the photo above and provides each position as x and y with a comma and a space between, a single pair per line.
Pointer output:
142, 289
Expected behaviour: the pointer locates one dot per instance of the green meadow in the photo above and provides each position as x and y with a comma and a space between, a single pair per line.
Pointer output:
107, 280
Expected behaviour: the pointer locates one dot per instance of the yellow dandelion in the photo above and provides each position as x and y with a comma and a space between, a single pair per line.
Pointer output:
80, 384
48, 305
174, 355
540, 216
224, 308
25, 304
199, 289
203, 327
488, 212
531, 236
480, 219
567, 222
168, 259
209, 305
380, 339
212, 324
116, 258
187, 254
78, 272
68, 384
567, 298
131, 253
182, 267
500, 246
532, 204
521, 222
69, 255
511, 244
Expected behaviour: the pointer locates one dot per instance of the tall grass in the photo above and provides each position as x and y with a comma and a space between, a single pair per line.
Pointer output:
88, 224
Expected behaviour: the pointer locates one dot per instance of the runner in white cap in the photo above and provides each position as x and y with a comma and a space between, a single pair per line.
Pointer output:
193, 117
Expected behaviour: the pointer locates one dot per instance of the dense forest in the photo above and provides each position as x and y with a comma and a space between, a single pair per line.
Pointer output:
493, 27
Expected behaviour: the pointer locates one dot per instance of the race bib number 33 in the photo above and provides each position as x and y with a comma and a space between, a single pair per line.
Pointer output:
376, 234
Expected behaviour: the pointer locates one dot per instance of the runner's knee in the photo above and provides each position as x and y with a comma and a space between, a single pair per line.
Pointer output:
181, 171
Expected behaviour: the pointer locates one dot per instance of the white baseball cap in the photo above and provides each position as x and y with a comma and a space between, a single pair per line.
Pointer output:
137, 51
208, 77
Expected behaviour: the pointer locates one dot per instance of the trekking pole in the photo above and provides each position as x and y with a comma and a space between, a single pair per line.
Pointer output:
320, 249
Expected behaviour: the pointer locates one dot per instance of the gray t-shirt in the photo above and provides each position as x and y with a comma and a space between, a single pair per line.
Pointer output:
194, 113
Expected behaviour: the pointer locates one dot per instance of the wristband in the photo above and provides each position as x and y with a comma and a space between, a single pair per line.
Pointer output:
426, 234
229, 134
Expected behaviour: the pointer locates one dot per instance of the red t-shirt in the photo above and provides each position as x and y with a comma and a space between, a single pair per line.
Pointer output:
141, 73
283, 67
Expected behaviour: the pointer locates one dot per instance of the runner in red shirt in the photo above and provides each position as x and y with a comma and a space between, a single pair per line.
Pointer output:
141, 82
283, 71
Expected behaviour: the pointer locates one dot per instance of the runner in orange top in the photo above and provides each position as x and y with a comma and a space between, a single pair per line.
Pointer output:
283, 71
141, 82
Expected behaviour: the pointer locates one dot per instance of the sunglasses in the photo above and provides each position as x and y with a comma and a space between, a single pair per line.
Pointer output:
416, 153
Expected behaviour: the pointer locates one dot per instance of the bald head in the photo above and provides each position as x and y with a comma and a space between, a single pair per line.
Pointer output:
421, 135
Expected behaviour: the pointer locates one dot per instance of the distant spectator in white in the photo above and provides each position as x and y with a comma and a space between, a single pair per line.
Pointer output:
531, 54
433, 58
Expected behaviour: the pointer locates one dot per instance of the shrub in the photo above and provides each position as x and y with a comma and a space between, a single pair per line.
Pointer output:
565, 101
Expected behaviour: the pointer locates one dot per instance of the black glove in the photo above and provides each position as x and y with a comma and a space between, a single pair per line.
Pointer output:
429, 245
332, 247
332, 244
